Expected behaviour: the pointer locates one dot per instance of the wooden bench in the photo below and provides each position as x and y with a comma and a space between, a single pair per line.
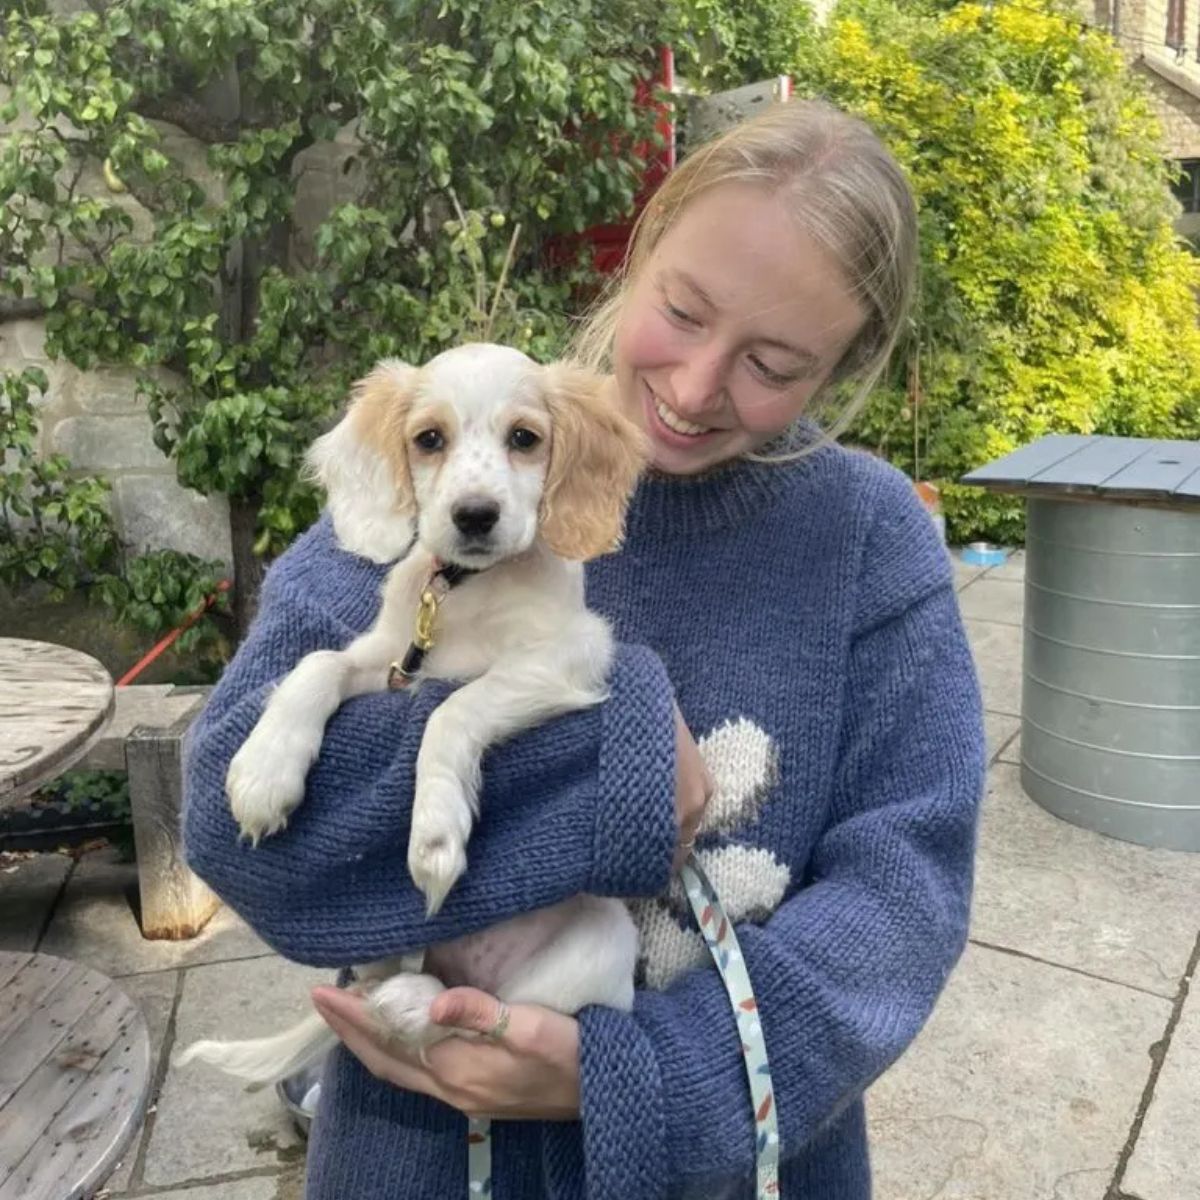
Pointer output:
145, 739
1110, 704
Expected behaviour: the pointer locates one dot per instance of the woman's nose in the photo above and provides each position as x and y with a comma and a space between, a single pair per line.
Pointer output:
697, 384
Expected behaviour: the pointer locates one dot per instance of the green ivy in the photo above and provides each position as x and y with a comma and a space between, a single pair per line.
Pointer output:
106, 790
159, 591
55, 529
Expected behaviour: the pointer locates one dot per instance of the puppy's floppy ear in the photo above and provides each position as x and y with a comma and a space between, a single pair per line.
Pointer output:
596, 453
362, 463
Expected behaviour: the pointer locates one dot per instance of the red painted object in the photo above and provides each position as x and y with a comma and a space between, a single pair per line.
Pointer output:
170, 639
609, 242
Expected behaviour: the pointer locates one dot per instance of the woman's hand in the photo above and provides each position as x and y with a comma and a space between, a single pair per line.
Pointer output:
693, 788
531, 1073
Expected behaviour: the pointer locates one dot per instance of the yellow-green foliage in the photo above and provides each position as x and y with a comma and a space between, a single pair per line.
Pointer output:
1055, 296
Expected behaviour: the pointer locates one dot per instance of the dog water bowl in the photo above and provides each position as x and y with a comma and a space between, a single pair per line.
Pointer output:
983, 554
300, 1094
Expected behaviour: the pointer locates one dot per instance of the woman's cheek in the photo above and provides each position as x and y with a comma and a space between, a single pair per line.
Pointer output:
767, 415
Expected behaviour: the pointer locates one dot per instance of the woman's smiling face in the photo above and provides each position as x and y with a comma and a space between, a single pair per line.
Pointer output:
733, 324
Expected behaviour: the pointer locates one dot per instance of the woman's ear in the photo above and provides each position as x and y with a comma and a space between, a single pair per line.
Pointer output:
596, 454
362, 463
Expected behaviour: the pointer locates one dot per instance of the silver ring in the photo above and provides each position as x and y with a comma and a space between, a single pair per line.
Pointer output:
500, 1028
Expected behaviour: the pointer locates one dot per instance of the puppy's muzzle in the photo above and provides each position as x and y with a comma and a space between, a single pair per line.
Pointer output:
475, 518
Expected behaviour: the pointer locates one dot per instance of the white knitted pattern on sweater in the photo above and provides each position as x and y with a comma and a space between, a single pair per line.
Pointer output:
751, 881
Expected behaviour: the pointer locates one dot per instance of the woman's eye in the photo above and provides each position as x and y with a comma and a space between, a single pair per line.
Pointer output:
429, 440
775, 378
677, 314
523, 439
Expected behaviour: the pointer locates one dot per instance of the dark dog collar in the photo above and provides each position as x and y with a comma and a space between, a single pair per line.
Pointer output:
445, 578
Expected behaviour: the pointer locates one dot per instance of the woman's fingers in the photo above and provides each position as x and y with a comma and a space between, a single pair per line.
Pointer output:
346, 1014
469, 1009
529, 1072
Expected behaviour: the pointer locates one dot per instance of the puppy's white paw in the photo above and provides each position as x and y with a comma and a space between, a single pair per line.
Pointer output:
265, 784
437, 844
400, 1006
435, 862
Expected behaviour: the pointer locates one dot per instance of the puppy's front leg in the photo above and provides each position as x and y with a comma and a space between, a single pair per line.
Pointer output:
265, 781
520, 690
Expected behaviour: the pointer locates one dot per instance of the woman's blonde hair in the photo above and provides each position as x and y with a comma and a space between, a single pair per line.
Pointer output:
847, 192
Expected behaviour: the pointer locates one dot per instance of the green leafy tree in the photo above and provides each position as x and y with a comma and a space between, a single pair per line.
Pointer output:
460, 124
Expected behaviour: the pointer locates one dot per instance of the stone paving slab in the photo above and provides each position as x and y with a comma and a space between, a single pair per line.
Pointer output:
1023, 1086
1013, 567
1012, 751
285, 1186
1000, 728
997, 650
1163, 1165
989, 599
28, 889
155, 995
963, 573
207, 1123
1068, 895
95, 924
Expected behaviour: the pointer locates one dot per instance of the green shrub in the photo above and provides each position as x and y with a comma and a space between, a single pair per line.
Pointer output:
1055, 297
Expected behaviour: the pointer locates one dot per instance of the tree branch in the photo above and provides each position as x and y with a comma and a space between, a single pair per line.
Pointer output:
18, 307
189, 115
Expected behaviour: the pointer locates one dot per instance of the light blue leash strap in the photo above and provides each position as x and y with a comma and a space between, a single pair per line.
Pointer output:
479, 1157
717, 930
721, 940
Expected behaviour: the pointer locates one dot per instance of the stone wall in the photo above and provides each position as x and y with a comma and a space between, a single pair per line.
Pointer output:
94, 417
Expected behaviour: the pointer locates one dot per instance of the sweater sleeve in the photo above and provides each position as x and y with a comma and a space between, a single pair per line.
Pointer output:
846, 971
584, 803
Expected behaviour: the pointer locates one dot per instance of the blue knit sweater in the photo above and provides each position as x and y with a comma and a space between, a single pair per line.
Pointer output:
806, 610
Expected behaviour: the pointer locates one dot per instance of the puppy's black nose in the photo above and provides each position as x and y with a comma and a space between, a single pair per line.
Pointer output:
475, 516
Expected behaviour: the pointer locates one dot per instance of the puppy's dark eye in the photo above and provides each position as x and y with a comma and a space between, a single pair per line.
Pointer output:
429, 440
523, 439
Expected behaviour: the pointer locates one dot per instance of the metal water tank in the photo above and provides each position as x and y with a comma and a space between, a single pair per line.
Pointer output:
1110, 735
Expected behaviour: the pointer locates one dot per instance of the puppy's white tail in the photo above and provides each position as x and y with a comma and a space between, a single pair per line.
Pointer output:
265, 1060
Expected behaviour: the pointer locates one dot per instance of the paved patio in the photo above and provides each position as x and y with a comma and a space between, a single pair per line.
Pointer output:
1061, 1064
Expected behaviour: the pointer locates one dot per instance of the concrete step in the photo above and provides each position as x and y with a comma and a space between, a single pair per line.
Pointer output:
157, 705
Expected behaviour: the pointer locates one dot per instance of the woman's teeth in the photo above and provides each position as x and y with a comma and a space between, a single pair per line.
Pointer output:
677, 423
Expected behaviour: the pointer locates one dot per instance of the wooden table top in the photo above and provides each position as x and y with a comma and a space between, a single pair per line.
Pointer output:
1099, 468
53, 702
74, 1077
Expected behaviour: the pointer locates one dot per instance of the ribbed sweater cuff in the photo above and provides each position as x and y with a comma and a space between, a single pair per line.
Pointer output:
636, 830
624, 1128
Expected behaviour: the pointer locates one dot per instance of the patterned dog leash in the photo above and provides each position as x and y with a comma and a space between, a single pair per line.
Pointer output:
717, 930
721, 940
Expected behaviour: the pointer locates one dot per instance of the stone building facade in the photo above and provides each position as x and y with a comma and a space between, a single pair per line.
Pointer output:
1161, 41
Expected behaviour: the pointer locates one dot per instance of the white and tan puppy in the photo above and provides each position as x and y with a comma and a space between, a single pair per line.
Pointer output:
487, 461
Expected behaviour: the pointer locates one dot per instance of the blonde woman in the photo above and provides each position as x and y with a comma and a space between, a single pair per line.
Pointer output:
789, 634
